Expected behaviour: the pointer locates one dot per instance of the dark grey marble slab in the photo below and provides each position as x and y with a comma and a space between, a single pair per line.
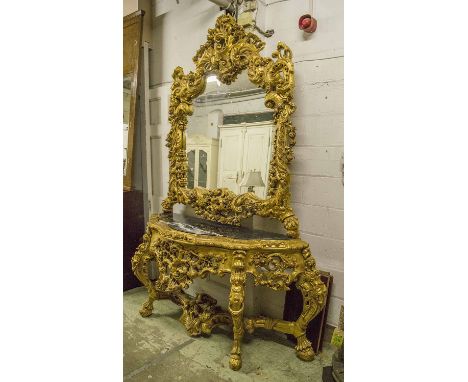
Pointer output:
205, 227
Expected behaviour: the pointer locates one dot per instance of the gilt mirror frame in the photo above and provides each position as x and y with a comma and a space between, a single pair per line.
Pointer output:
132, 34
228, 51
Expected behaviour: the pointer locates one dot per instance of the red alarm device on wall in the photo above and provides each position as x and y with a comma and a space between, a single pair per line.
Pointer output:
307, 23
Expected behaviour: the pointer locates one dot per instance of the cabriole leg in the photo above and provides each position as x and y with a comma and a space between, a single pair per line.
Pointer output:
140, 261
314, 293
236, 307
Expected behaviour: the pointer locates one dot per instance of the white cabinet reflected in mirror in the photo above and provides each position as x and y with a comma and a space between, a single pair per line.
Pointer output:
202, 155
244, 157
229, 138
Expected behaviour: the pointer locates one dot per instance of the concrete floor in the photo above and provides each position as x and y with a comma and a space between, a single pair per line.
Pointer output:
159, 349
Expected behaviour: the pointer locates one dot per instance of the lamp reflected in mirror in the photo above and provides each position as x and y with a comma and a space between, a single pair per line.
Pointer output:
252, 179
213, 78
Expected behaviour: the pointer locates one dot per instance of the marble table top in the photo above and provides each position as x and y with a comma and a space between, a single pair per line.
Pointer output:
200, 226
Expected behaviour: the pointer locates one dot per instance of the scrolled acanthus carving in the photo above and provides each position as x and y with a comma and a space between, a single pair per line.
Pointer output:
275, 270
178, 266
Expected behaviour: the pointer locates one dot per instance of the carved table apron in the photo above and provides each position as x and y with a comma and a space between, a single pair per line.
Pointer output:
274, 261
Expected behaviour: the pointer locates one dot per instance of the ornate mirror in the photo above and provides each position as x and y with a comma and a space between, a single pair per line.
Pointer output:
231, 136
132, 30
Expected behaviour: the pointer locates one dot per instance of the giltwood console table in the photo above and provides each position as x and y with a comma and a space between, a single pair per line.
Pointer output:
187, 248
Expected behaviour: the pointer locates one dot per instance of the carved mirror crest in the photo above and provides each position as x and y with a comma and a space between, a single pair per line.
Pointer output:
229, 55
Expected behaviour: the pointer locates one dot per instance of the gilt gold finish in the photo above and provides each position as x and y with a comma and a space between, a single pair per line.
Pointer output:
227, 52
182, 256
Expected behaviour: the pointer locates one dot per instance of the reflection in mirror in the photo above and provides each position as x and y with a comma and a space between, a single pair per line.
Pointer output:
127, 85
229, 138
191, 169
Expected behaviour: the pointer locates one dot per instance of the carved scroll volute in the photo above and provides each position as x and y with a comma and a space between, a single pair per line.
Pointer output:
228, 51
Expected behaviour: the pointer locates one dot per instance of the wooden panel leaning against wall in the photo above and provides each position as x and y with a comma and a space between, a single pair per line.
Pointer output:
133, 212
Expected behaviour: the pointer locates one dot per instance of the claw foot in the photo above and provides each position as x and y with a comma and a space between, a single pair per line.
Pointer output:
147, 309
304, 349
306, 354
235, 362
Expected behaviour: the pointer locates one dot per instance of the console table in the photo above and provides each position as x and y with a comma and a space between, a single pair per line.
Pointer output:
185, 248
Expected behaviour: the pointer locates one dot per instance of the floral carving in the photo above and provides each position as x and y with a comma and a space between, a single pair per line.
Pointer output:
178, 266
274, 270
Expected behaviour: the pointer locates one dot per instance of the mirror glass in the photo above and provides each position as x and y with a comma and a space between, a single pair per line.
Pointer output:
229, 137
127, 85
